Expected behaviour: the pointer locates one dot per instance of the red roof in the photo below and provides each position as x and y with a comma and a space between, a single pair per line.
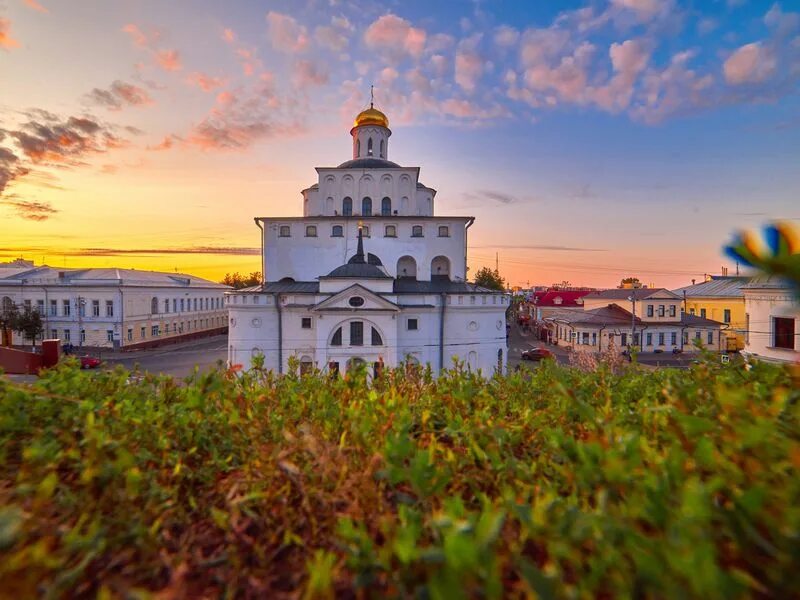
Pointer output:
562, 298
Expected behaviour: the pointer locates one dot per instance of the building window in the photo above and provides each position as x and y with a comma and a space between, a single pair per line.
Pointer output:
783, 333
336, 340
284, 231
660, 339
356, 333
130, 334
67, 335
311, 231
710, 337
109, 308
697, 335
306, 365
183, 306
673, 338
386, 207
649, 310
685, 337
154, 330
143, 333
672, 310
594, 338
174, 305
691, 311
412, 325
154, 306
623, 339
703, 313
649, 339
635, 339
53, 334
726, 315
356, 301
40, 306
661, 310
381, 149
66, 307
194, 303
95, 308
109, 335
305, 322
376, 338
585, 337
337, 231
416, 231
366, 207
390, 231
369, 147
83, 336
365, 230
347, 206
444, 231
53, 308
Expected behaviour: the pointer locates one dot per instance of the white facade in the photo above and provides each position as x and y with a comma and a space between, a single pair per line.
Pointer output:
114, 307
772, 317
367, 274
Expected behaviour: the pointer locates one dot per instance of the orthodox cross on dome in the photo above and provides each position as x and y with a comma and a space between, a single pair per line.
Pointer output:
371, 95
359, 256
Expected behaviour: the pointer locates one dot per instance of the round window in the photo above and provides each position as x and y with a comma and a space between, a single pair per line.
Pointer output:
473, 326
256, 322
356, 301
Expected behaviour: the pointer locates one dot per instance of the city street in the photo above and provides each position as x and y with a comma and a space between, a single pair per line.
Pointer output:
519, 340
178, 360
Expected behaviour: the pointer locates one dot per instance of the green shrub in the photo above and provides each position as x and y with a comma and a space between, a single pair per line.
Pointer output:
679, 484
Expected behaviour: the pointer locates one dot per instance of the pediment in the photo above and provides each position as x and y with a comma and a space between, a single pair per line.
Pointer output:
342, 301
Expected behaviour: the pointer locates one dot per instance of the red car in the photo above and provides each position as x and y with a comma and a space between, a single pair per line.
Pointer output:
537, 354
90, 362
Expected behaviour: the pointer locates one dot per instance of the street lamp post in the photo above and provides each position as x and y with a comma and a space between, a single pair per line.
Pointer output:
632, 298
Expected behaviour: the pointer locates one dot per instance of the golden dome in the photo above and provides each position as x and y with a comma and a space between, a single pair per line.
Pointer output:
371, 116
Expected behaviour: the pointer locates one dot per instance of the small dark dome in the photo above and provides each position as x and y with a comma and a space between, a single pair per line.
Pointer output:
369, 163
359, 271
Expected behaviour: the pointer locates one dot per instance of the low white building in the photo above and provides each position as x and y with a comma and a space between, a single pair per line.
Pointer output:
368, 274
771, 314
114, 307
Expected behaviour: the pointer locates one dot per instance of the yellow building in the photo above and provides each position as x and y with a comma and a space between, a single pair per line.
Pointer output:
720, 298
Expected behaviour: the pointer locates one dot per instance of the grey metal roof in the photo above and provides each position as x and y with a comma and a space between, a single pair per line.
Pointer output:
45, 275
369, 163
770, 283
616, 315
358, 271
624, 294
287, 287
717, 287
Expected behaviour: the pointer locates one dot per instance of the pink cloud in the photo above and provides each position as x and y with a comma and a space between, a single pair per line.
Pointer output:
751, 63
165, 144
207, 83
469, 68
36, 6
169, 60
6, 41
141, 38
120, 94
286, 34
306, 73
644, 10
228, 35
396, 36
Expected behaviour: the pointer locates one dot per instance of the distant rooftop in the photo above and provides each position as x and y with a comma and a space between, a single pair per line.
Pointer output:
719, 286
45, 275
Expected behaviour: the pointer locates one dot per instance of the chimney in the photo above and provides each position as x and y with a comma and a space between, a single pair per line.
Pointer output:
693, 281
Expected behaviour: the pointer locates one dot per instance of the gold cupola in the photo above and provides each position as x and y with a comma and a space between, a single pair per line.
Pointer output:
371, 116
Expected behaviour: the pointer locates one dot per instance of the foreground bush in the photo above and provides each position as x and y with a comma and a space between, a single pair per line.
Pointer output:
671, 484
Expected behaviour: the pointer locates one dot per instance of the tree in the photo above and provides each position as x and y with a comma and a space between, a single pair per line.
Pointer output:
29, 324
630, 283
490, 279
237, 281
9, 316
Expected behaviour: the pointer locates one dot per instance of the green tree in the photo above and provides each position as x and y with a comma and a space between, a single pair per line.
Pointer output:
29, 324
490, 279
237, 281
9, 316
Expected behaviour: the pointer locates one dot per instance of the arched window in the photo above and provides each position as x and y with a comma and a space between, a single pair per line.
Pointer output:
416, 231
337, 231
369, 147
406, 268
382, 149
366, 207
444, 231
336, 340
440, 267
154, 306
386, 207
306, 365
390, 231
347, 206
377, 340
358, 148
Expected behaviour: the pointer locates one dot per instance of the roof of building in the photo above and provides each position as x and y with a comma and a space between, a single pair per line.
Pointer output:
371, 116
438, 286
768, 283
360, 266
718, 286
369, 163
625, 293
614, 315
45, 275
559, 298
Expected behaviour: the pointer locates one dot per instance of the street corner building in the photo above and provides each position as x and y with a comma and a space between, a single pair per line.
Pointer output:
368, 275
113, 308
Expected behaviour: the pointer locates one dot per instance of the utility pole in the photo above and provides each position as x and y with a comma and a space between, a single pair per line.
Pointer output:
497, 261
633, 318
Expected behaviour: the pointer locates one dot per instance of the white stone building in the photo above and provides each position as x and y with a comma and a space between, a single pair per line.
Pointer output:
772, 314
114, 308
367, 274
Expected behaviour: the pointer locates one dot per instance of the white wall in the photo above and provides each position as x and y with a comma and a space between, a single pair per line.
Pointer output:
761, 307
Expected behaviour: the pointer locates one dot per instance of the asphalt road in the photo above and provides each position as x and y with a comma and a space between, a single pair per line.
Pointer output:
178, 361
519, 341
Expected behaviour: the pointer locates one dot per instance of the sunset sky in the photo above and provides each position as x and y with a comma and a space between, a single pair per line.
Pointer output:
591, 140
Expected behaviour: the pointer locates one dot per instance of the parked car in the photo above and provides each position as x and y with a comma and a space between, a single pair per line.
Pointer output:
90, 362
536, 354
